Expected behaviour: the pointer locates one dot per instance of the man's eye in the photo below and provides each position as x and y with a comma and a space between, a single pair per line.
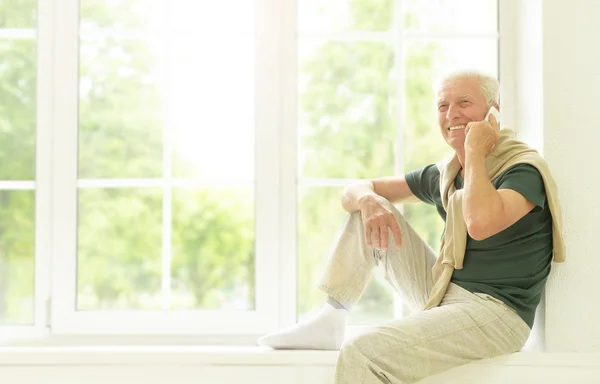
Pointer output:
442, 107
465, 102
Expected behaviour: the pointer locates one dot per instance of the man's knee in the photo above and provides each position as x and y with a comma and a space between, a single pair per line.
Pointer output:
367, 351
351, 363
353, 349
382, 358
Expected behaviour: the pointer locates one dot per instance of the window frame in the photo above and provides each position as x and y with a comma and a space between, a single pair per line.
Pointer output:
41, 186
65, 319
276, 151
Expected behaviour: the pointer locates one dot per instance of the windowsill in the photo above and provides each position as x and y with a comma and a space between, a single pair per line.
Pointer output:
235, 356
162, 355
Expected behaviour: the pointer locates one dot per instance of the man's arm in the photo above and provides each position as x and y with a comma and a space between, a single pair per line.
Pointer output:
488, 211
393, 188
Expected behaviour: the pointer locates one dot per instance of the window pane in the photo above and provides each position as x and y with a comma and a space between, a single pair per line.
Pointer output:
218, 17
446, 54
119, 249
320, 220
151, 14
17, 109
17, 156
212, 105
345, 15
456, 16
213, 249
17, 248
18, 13
121, 119
425, 60
347, 110
121, 14
153, 104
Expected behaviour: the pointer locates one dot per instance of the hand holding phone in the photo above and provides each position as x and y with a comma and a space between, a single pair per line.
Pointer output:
483, 139
495, 112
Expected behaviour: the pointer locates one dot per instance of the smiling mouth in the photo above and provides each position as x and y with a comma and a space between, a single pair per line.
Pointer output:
457, 127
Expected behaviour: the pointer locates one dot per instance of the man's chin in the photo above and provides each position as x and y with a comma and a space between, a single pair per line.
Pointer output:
456, 143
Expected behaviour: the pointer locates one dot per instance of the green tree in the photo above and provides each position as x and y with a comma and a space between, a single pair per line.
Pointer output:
120, 231
17, 156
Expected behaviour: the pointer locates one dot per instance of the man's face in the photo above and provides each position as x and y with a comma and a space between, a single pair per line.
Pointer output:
459, 102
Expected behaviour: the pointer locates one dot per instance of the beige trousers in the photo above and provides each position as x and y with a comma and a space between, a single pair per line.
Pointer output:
463, 328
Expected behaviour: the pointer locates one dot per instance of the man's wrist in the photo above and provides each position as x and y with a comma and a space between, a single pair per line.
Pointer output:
365, 199
472, 154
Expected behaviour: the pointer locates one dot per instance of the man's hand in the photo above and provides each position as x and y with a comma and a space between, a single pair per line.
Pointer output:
378, 219
482, 136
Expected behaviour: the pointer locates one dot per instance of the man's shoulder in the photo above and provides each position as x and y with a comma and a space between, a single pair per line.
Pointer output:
521, 170
523, 167
427, 173
424, 183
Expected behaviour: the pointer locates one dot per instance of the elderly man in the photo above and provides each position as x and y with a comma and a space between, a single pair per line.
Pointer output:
477, 297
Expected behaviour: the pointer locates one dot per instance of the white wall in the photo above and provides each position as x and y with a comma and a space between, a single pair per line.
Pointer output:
528, 76
572, 147
558, 111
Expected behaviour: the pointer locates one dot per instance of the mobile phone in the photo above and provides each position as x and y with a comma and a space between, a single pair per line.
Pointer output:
495, 112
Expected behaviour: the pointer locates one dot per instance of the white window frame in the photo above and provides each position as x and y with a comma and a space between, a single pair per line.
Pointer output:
42, 184
65, 318
276, 151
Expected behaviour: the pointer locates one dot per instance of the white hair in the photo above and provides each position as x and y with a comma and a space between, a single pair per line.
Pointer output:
489, 85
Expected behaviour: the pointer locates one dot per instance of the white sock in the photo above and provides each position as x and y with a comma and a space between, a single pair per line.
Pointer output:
326, 330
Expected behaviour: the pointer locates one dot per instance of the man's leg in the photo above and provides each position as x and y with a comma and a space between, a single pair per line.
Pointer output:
464, 328
408, 268
346, 275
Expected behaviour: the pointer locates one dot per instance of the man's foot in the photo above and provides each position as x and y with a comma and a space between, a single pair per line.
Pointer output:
325, 331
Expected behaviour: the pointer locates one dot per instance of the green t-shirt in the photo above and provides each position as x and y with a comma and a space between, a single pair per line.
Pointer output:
512, 265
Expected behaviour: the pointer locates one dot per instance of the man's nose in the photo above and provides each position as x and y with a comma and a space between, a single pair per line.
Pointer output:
452, 113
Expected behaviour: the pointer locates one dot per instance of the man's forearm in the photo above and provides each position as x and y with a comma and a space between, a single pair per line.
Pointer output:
354, 192
481, 201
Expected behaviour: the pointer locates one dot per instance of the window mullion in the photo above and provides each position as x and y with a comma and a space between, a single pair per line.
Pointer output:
167, 166
399, 108
43, 183
65, 70
288, 274
268, 112
506, 65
